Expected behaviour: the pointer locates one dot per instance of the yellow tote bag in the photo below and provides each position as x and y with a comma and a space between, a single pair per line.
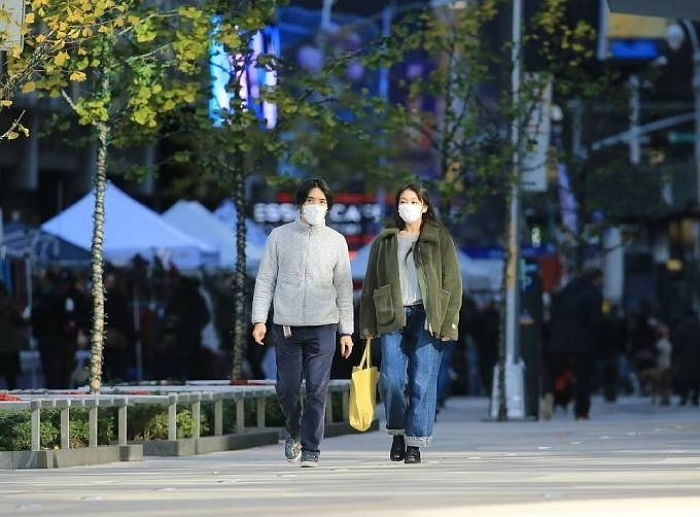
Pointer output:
363, 389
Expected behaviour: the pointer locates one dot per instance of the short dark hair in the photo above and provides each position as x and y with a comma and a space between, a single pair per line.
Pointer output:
308, 185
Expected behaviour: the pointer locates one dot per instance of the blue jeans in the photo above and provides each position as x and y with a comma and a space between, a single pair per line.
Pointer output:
308, 354
408, 382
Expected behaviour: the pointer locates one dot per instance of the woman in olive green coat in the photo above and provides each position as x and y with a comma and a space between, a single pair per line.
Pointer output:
411, 298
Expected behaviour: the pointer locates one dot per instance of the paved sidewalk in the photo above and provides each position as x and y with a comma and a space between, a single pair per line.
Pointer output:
630, 459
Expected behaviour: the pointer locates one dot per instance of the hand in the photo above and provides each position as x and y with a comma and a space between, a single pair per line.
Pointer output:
345, 346
445, 339
259, 331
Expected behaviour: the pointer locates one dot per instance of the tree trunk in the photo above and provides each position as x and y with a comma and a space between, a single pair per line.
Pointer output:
502, 413
240, 319
97, 336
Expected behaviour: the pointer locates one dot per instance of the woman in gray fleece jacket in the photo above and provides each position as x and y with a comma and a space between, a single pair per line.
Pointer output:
305, 275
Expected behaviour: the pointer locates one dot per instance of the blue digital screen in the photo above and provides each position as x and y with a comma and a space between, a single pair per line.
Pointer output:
635, 50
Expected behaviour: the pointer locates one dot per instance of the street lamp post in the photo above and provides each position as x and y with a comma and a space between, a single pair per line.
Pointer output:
675, 37
508, 400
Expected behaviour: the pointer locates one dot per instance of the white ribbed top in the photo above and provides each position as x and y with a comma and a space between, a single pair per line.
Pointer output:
408, 274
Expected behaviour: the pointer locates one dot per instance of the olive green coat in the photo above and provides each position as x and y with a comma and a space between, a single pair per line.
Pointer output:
381, 306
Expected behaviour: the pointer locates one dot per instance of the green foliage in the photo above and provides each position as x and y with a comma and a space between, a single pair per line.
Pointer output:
15, 429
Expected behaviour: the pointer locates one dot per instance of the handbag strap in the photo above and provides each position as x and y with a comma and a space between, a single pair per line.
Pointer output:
366, 361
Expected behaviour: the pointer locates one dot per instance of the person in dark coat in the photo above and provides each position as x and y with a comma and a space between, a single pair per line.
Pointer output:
643, 338
575, 332
119, 351
59, 314
13, 338
186, 315
686, 343
485, 330
612, 344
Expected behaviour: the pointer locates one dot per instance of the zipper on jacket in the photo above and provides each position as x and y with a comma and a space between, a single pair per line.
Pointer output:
306, 269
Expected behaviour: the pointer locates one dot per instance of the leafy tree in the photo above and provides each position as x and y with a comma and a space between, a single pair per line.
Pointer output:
128, 63
319, 120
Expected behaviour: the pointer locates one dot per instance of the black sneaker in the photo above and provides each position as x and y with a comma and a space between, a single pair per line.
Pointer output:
398, 448
412, 455
309, 459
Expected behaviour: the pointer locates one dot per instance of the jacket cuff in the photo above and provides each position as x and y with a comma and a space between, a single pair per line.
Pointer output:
449, 331
367, 333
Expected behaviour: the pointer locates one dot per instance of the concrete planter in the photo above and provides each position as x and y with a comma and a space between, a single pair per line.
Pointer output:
207, 444
60, 458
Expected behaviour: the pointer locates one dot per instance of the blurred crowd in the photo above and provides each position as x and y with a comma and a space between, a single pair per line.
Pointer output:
164, 325
161, 325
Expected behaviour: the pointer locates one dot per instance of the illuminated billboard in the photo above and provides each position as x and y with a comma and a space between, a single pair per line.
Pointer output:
629, 37
251, 80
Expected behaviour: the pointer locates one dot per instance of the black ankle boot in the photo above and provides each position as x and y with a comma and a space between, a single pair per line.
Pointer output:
398, 448
412, 455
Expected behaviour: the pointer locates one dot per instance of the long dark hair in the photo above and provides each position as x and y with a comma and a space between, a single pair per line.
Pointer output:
422, 194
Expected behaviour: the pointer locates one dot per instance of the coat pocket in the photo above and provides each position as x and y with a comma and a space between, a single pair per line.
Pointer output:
445, 297
384, 305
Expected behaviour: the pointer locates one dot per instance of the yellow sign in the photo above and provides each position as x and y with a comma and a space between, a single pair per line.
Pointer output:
629, 26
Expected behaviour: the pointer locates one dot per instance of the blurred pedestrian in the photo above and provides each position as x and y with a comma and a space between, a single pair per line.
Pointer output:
60, 318
185, 316
686, 338
305, 274
411, 299
643, 340
575, 331
13, 338
662, 380
485, 332
119, 352
611, 346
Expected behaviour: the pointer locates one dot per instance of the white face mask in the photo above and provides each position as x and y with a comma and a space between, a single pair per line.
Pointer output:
315, 215
410, 213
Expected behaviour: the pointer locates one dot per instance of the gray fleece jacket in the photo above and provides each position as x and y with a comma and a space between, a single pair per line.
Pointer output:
305, 273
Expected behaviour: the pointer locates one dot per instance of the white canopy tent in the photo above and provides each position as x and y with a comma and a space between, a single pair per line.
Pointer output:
477, 274
226, 213
194, 219
131, 229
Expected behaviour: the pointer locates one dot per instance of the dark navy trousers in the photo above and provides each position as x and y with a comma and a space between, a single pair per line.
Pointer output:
306, 354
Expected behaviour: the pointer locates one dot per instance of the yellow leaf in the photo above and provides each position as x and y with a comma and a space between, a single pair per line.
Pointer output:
29, 87
24, 130
41, 38
29, 18
12, 135
16, 51
78, 77
5, 104
61, 58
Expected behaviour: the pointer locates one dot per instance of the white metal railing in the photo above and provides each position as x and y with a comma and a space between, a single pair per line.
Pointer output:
123, 397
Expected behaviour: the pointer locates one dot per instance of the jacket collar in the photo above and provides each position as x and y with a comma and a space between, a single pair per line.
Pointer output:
303, 227
429, 233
